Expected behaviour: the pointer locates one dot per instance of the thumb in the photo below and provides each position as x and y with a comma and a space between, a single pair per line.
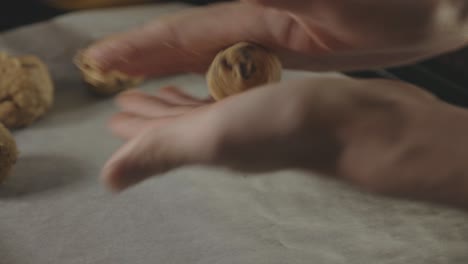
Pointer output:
154, 152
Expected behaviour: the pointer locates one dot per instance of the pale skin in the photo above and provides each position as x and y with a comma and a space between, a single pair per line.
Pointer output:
386, 137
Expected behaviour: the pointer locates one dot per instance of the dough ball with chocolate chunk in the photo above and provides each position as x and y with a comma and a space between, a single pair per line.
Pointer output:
104, 83
26, 90
8, 152
242, 67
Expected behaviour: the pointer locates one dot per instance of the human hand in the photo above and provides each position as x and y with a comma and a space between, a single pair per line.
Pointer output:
383, 136
317, 35
346, 128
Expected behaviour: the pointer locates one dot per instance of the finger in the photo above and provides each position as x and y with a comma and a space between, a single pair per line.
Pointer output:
176, 96
152, 152
327, 39
149, 106
188, 41
127, 126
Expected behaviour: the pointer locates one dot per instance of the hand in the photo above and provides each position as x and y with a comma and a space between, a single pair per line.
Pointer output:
319, 35
384, 136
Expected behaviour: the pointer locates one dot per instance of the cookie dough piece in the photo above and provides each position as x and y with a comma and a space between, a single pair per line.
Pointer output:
8, 152
26, 90
242, 67
104, 83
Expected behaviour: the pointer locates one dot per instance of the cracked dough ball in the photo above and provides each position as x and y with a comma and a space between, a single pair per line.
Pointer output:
104, 83
26, 90
8, 152
242, 67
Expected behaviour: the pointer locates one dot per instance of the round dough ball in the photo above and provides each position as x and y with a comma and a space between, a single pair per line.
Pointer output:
26, 90
242, 67
104, 83
8, 152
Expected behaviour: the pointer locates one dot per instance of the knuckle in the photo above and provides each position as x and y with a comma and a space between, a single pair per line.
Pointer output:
288, 31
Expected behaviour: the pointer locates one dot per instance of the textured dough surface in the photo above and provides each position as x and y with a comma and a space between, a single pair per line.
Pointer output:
104, 83
8, 152
242, 67
26, 90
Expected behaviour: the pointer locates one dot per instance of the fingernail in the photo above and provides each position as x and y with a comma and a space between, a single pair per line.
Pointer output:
103, 54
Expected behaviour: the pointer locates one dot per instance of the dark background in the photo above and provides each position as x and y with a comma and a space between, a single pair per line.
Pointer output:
445, 76
21, 12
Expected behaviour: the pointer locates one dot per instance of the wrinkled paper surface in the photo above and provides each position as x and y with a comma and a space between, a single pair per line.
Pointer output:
54, 210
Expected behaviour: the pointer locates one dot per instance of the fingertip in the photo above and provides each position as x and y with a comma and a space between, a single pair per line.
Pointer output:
110, 54
120, 99
148, 154
125, 169
99, 56
131, 91
117, 177
109, 177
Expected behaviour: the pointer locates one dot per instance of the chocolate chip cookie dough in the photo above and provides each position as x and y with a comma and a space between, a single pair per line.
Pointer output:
26, 90
8, 152
242, 67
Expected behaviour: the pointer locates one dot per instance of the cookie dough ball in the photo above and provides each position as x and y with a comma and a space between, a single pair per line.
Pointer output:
104, 83
8, 152
26, 90
242, 67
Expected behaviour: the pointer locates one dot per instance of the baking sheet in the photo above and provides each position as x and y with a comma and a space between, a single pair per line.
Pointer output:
54, 210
